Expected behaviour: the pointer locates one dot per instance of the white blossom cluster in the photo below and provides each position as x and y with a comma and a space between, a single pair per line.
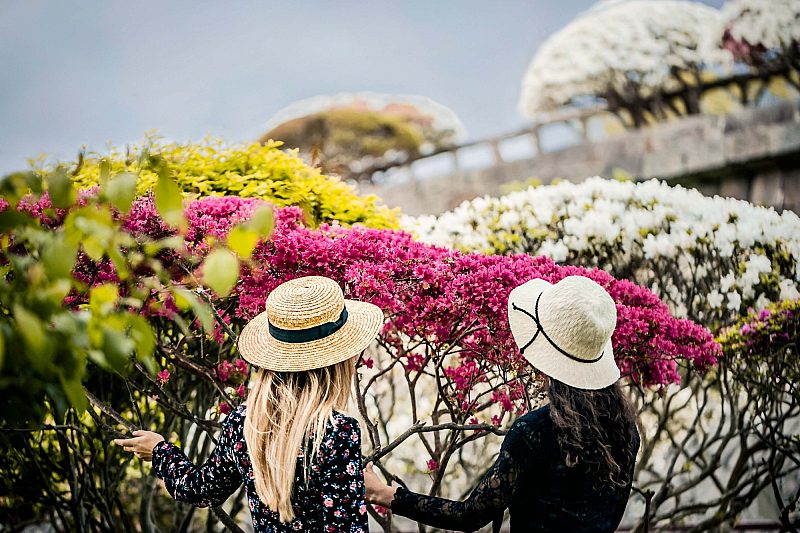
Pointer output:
709, 258
774, 24
616, 44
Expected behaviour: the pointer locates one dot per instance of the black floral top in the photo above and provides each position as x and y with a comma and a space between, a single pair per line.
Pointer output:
332, 501
531, 479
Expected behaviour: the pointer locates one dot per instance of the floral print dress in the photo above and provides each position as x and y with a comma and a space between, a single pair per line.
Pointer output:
332, 500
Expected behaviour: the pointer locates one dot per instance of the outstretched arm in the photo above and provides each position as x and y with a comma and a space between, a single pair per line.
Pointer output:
487, 501
207, 485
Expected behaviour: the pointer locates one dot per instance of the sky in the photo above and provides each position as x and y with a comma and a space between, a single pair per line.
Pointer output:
95, 72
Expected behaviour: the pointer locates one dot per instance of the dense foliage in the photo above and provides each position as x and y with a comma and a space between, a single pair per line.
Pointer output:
249, 170
714, 442
650, 61
759, 32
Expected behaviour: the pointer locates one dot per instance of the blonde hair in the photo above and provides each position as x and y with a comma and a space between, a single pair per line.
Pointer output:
287, 411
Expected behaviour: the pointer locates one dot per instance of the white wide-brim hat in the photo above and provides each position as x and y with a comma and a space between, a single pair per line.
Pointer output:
308, 324
564, 330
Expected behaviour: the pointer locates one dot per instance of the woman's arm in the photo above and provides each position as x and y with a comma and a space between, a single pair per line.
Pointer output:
487, 501
207, 485
343, 502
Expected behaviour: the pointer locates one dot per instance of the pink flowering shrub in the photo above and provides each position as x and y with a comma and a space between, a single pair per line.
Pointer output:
431, 293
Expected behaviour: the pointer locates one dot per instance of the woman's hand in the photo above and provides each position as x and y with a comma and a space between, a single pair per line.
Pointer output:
377, 491
141, 444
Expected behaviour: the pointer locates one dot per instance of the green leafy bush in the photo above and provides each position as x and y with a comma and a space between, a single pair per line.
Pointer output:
248, 170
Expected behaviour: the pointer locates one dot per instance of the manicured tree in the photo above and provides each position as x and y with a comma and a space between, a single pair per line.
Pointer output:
763, 37
728, 437
624, 55
355, 135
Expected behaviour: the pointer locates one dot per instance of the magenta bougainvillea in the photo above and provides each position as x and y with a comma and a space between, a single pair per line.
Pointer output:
431, 292
433, 297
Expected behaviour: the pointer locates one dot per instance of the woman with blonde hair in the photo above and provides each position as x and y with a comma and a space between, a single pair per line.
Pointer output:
290, 443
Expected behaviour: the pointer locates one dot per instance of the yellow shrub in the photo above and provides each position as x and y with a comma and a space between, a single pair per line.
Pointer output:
214, 168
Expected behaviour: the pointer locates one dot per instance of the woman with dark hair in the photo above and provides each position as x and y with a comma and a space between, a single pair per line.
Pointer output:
566, 466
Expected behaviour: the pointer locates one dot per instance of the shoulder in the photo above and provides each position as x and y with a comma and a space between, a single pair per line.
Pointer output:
342, 443
343, 422
344, 429
536, 419
530, 431
237, 414
235, 419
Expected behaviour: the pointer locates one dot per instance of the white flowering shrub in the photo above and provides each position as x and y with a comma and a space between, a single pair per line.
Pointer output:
617, 51
709, 258
749, 29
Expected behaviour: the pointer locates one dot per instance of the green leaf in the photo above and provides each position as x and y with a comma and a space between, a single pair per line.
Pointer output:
144, 339
169, 200
59, 186
11, 219
74, 392
221, 271
119, 262
17, 184
262, 221
186, 299
103, 299
117, 347
105, 170
58, 258
242, 241
59, 401
34, 337
121, 191
2, 349
94, 248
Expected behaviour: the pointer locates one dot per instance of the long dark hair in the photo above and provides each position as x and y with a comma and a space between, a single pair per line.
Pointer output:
595, 429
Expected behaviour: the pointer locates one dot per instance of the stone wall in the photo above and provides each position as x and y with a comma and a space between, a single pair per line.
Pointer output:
753, 155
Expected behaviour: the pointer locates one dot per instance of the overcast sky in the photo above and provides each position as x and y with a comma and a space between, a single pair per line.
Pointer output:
91, 71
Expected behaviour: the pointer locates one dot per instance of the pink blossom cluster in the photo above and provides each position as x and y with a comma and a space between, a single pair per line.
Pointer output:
232, 373
446, 297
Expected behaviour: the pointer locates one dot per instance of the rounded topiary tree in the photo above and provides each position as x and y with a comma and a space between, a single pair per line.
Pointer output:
623, 54
353, 135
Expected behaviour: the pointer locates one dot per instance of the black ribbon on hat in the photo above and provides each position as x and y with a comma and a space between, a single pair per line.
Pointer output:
313, 333
540, 329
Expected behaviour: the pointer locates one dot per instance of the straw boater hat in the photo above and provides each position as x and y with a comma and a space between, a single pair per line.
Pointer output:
564, 330
308, 324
